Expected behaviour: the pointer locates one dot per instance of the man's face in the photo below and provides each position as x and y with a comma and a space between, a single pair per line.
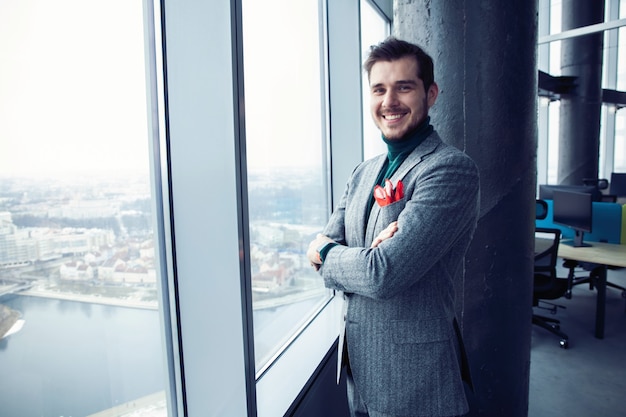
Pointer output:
398, 100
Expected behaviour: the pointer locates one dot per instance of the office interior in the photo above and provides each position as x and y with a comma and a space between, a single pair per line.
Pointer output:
252, 108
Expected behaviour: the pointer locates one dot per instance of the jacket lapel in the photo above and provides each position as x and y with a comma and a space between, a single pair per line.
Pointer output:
427, 147
364, 198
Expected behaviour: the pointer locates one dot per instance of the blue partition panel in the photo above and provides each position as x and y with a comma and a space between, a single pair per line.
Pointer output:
607, 223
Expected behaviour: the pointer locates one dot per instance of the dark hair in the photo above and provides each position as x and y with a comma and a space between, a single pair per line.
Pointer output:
392, 49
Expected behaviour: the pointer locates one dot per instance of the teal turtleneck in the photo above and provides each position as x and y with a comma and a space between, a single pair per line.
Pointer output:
398, 150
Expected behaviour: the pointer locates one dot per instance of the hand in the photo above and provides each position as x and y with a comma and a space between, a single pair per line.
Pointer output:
385, 234
313, 254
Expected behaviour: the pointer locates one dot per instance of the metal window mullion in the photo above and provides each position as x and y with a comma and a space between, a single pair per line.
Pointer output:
243, 208
201, 128
155, 101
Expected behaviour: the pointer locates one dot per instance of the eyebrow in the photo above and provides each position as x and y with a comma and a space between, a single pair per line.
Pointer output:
405, 82
399, 82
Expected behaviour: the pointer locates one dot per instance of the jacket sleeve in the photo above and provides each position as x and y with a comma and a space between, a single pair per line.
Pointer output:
335, 229
336, 226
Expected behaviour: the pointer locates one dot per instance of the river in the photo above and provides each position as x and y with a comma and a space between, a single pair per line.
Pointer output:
72, 359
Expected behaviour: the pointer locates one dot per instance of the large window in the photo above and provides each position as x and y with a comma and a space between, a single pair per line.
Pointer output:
152, 257
286, 166
612, 142
79, 312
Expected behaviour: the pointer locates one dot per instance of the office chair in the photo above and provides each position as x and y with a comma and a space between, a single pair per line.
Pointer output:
541, 209
546, 284
618, 184
601, 184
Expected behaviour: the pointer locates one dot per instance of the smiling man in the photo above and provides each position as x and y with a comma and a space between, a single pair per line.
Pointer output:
394, 246
400, 98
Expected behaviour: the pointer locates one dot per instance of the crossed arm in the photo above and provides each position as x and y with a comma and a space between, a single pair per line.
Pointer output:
314, 255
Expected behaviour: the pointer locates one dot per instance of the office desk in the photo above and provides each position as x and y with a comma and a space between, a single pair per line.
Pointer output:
603, 255
608, 254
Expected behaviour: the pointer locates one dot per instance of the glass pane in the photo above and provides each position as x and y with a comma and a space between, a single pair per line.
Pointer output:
619, 151
555, 47
621, 59
604, 110
80, 332
374, 29
286, 166
619, 163
553, 141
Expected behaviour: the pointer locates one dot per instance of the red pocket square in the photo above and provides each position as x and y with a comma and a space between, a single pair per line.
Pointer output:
388, 194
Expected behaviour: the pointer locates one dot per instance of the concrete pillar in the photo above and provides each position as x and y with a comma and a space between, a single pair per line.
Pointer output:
579, 137
485, 65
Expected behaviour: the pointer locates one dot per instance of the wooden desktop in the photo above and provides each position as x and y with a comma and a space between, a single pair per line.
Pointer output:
609, 254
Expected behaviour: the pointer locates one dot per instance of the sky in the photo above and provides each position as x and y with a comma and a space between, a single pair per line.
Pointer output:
72, 87
73, 98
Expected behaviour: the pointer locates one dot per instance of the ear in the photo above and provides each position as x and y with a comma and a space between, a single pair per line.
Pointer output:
431, 95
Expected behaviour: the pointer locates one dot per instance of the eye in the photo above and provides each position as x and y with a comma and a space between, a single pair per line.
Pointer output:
378, 91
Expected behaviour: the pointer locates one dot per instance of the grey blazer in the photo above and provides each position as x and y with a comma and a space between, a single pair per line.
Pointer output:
402, 346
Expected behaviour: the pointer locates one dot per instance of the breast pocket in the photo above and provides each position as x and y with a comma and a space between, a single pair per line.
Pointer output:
388, 214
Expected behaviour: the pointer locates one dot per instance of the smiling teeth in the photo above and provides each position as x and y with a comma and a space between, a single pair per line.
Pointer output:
393, 116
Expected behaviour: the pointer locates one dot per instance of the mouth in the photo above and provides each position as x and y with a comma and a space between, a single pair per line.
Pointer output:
392, 117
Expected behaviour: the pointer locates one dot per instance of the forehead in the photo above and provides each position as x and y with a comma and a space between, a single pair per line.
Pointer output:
389, 72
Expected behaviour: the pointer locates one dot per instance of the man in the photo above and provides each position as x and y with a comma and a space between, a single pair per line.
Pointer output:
395, 255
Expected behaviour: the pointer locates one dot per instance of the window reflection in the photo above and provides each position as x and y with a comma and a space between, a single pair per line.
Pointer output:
79, 320
287, 190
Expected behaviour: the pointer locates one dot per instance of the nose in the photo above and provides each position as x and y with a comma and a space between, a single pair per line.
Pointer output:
390, 99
